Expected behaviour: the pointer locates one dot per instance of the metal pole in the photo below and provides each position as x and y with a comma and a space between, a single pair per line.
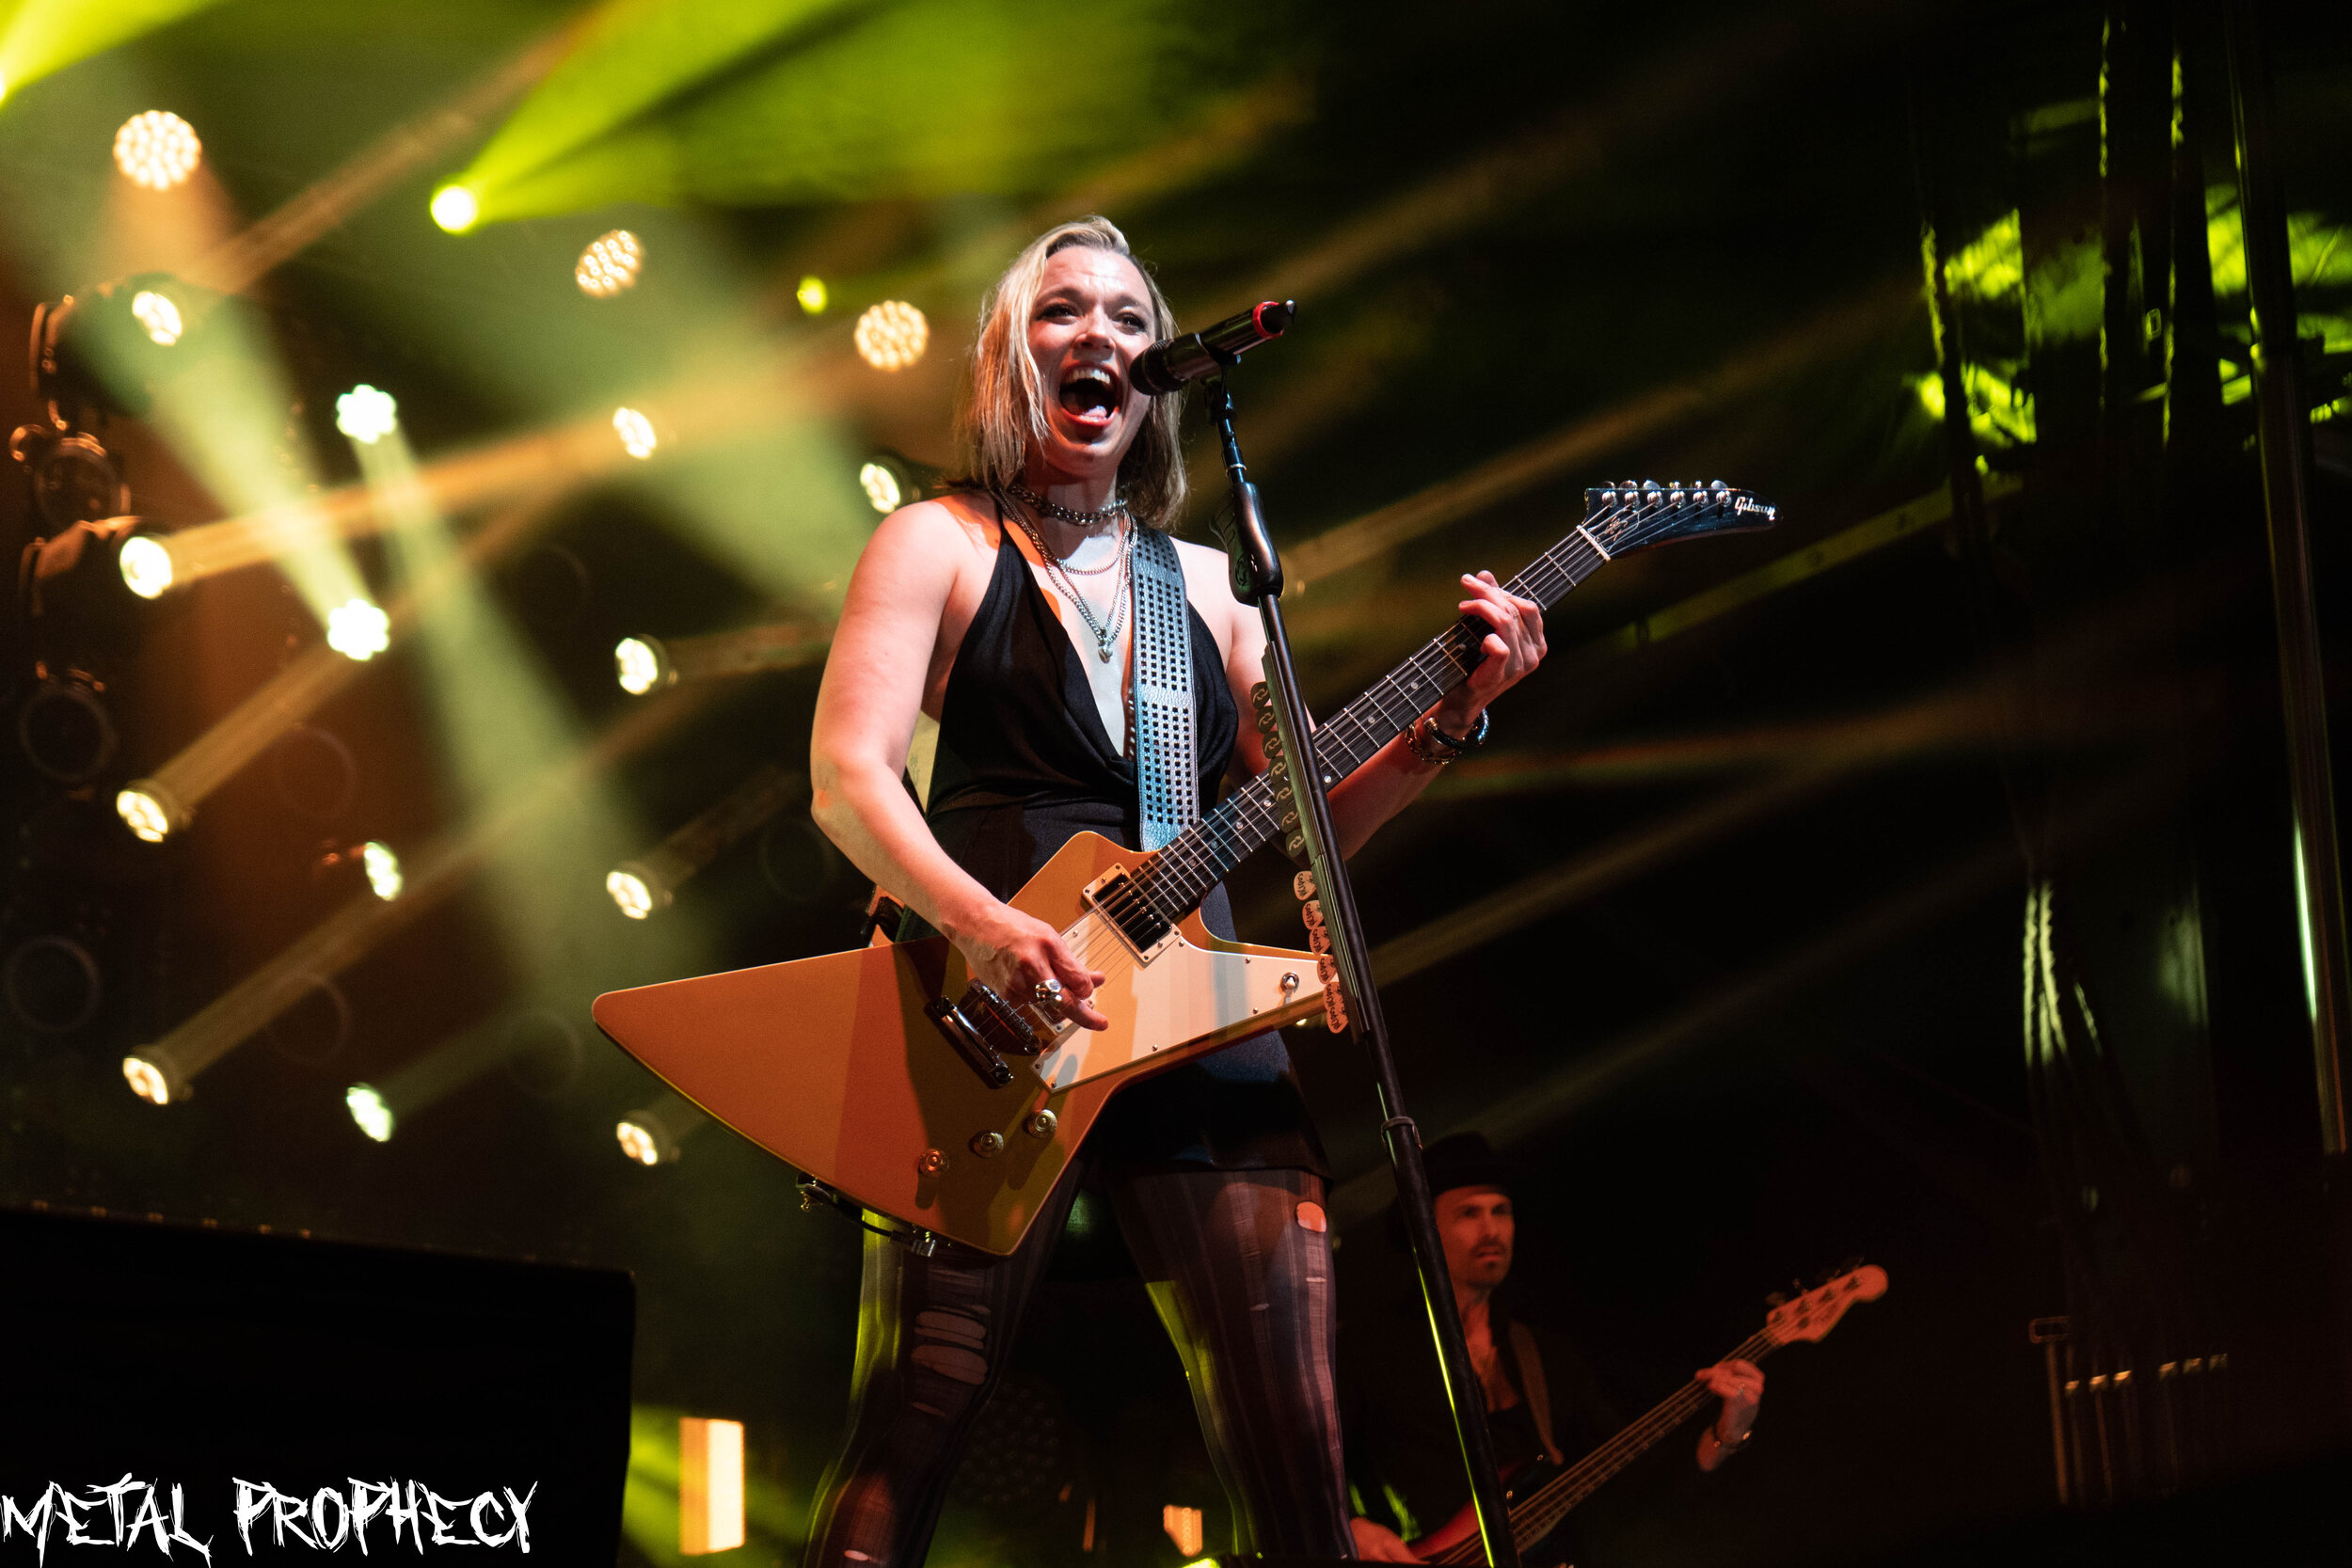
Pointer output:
2285, 427
1258, 580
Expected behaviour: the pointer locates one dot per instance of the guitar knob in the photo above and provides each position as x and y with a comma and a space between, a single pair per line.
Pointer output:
988, 1145
931, 1161
1041, 1125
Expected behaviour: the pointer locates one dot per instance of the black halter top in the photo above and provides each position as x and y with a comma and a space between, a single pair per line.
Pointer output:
1024, 763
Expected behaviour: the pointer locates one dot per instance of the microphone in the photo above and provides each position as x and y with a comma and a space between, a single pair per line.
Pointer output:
1169, 364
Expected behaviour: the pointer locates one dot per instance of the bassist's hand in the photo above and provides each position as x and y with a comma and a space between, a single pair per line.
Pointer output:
1379, 1543
1012, 954
1513, 648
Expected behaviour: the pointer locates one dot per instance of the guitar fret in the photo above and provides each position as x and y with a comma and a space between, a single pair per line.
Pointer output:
1179, 875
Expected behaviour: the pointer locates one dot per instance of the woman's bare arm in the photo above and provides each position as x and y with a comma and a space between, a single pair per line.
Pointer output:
884, 658
1393, 777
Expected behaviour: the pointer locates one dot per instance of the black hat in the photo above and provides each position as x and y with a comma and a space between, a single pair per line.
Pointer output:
1467, 1160
1457, 1160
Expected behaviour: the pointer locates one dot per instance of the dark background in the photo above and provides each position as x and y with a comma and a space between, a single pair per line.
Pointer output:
1815, 1016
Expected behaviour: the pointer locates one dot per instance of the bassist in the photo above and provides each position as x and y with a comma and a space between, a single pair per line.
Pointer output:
1541, 1398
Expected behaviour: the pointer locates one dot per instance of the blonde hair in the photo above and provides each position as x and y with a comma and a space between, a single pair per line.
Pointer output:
1004, 410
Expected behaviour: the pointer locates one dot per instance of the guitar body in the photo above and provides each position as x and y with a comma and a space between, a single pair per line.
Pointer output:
1519, 1483
832, 1065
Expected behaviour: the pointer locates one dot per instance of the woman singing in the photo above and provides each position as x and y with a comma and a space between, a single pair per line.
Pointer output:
1002, 611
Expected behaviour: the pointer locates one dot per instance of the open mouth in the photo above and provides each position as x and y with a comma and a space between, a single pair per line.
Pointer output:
1089, 393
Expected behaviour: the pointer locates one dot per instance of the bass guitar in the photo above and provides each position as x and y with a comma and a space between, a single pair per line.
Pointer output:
892, 1079
1540, 1496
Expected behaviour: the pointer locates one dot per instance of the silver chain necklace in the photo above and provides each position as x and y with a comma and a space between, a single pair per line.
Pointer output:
1105, 637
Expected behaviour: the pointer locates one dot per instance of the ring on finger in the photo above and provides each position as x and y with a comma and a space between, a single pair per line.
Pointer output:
1046, 992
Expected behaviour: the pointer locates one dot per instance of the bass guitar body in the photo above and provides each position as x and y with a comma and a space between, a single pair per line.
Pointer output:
1460, 1533
834, 1065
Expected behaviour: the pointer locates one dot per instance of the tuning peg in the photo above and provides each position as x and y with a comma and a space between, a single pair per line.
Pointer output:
1777, 1300
1651, 487
1717, 485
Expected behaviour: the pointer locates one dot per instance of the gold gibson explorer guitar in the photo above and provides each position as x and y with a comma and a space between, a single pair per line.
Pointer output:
891, 1077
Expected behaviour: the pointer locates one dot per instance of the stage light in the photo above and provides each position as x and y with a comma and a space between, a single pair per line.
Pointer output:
811, 293
652, 1135
368, 1109
890, 480
382, 864
455, 208
1185, 1527
112, 347
364, 922
538, 1047
629, 889
154, 1079
159, 315
636, 432
880, 485
157, 151
367, 414
643, 663
145, 562
148, 809
891, 336
650, 881
709, 1485
640, 665
359, 630
609, 264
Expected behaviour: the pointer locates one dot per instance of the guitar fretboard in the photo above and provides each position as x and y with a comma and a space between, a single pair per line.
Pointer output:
1181, 874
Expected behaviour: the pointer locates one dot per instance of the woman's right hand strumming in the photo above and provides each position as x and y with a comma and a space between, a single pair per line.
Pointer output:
1014, 954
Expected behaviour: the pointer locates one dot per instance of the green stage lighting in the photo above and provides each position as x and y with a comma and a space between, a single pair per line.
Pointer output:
456, 208
811, 293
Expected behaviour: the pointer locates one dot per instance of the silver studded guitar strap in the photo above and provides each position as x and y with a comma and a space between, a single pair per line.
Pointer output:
1168, 768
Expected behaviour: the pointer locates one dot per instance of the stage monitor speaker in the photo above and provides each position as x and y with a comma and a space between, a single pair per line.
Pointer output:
274, 1396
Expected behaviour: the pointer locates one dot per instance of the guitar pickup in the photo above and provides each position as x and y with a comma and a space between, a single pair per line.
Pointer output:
1145, 930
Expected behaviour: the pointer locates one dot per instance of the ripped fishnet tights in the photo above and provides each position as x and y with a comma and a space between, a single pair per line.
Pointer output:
1244, 1290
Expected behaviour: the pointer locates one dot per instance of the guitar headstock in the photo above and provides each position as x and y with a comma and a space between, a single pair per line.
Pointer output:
1634, 516
1812, 1315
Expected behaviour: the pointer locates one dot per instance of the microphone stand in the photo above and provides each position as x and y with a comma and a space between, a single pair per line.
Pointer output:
1257, 574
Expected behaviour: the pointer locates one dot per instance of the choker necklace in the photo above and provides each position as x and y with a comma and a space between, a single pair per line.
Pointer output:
1021, 493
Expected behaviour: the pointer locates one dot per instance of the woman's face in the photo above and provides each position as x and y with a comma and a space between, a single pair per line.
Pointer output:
1092, 317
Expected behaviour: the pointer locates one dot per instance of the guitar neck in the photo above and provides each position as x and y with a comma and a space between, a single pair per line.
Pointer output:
1541, 1511
1179, 875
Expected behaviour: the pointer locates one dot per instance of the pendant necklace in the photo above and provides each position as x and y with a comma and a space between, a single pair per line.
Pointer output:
1106, 634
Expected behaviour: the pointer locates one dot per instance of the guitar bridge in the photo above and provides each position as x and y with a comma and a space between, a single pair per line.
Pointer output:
1145, 930
984, 1028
